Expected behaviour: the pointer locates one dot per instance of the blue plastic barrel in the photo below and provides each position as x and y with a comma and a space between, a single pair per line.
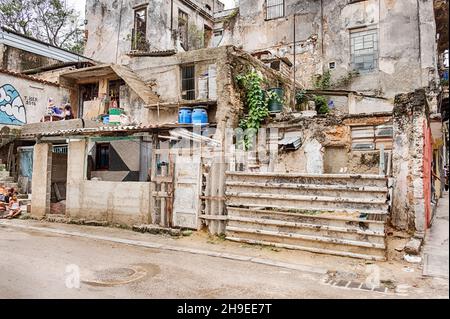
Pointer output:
185, 116
199, 116
106, 119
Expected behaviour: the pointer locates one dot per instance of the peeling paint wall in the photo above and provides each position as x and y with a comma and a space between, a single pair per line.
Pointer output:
410, 116
110, 25
406, 40
327, 146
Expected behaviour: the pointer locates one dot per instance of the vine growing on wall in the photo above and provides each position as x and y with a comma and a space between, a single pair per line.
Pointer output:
256, 102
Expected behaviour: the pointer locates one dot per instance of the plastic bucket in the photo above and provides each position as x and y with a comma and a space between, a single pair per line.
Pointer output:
274, 105
106, 119
114, 115
185, 116
199, 116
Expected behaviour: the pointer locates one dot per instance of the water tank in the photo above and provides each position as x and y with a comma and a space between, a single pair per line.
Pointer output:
199, 116
185, 115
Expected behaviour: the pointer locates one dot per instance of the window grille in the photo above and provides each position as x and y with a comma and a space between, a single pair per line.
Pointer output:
274, 9
364, 50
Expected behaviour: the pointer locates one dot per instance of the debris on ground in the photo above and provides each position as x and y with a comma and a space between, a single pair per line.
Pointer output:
413, 259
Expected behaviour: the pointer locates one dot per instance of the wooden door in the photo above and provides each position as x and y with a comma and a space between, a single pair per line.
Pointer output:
187, 188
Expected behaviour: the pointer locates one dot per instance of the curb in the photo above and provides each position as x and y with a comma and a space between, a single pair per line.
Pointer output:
256, 260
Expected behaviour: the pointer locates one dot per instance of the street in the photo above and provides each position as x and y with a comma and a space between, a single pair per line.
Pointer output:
42, 264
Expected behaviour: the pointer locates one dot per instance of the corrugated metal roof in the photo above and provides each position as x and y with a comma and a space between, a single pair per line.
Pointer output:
29, 44
107, 129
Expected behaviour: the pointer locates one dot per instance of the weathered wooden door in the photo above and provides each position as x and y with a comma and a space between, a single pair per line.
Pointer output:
187, 188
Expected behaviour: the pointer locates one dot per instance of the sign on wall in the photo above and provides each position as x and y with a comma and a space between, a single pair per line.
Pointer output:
12, 109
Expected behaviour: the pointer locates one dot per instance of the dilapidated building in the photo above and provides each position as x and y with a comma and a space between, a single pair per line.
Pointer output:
346, 151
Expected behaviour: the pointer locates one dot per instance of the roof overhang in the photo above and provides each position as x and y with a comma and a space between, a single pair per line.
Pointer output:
99, 71
16, 40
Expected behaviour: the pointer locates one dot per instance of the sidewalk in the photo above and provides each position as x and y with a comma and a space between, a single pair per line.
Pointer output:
435, 250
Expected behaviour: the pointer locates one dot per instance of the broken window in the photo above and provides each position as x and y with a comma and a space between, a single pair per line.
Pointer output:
369, 138
274, 9
102, 156
188, 82
140, 30
208, 35
364, 50
218, 35
183, 29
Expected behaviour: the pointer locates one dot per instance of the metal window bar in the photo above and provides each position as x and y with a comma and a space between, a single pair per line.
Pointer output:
60, 149
188, 82
274, 9
364, 50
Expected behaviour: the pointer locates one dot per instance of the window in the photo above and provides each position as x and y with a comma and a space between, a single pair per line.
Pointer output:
218, 36
364, 50
140, 30
188, 82
183, 29
370, 138
274, 9
207, 36
102, 156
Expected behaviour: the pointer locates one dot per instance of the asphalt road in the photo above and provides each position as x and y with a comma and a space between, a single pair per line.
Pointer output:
35, 264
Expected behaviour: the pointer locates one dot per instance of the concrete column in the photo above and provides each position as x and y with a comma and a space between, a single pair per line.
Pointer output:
410, 114
76, 168
41, 183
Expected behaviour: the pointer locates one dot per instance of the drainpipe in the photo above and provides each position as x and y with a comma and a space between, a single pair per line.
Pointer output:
171, 15
420, 44
118, 32
295, 47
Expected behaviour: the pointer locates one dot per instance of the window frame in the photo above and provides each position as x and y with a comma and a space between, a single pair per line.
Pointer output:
375, 48
267, 7
185, 93
137, 43
185, 43
98, 155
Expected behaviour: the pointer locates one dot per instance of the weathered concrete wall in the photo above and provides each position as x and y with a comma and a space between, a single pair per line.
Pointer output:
17, 60
41, 183
115, 202
410, 117
326, 145
24, 100
367, 105
323, 36
110, 25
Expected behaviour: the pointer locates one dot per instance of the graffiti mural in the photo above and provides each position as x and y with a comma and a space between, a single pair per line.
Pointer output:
12, 109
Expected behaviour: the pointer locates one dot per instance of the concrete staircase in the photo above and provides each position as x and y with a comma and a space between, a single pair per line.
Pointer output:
333, 214
8, 181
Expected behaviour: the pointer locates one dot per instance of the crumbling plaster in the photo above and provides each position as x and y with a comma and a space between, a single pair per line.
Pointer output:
110, 25
323, 36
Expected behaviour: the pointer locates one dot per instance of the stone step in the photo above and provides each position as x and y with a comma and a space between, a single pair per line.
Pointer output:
369, 192
304, 201
360, 234
311, 179
24, 201
361, 255
335, 246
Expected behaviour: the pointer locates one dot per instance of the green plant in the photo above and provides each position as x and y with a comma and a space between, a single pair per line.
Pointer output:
300, 97
321, 104
346, 79
323, 82
256, 103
